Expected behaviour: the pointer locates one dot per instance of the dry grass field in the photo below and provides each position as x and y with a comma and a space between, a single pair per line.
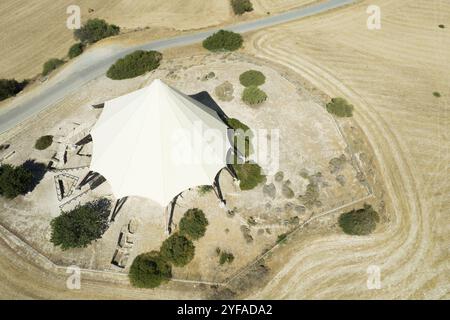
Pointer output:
390, 76
274, 6
34, 32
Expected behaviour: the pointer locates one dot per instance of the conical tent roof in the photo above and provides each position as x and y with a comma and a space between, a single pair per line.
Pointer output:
157, 142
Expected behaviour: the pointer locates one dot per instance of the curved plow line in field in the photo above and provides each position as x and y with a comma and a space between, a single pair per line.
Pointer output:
399, 247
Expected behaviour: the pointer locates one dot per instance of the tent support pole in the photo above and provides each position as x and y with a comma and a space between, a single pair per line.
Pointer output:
169, 214
119, 204
218, 191
232, 172
88, 178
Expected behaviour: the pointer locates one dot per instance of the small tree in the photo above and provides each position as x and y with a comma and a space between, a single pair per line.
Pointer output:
14, 180
11, 87
253, 95
223, 40
202, 190
178, 249
95, 30
51, 65
149, 270
241, 6
134, 64
340, 107
75, 50
249, 174
43, 142
359, 222
252, 78
193, 224
79, 227
225, 257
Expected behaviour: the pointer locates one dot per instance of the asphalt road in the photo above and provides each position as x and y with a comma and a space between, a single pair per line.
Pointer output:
91, 65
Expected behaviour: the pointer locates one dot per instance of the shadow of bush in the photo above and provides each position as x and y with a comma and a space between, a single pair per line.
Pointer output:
38, 171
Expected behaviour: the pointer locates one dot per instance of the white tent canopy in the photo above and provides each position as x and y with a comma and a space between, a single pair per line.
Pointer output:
157, 142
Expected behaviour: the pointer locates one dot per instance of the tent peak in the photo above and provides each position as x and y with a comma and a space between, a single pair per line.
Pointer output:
158, 82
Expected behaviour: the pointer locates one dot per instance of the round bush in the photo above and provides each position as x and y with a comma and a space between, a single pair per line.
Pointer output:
149, 270
359, 222
193, 224
223, 40
75, 50
249, 174
134, 64
14, 180
340, 107
252, 78
95, 30
178, 249
51, 65
225, 257
11, 87
81, 226
43, 142
253, 95
241, 6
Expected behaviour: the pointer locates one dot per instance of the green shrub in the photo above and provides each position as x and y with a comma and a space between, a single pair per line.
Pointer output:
75, 50
202, 190
241, 6
95, 30
442, 26
11, 87
178, 249
223, 40
252, 78
134, 64
253, 95
436, 94
43, 142
340, 107
242, 137
359, 222
193, 224
225, 257
249, 175
51, 65
81, 226
282, 238
251, 221
149, 270
14, 180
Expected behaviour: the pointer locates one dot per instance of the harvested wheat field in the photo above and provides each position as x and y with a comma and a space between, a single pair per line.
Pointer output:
35, 32
274, 6
390, 76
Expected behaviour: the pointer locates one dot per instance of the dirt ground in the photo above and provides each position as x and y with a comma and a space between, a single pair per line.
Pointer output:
294, 113
32, 33
390, 76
